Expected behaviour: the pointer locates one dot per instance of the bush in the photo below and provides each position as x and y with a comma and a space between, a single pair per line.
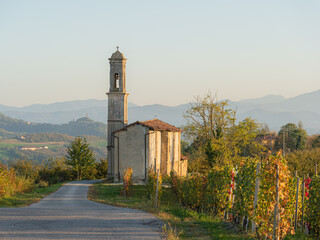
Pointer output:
55, 170
24, 184
26, 168
102, 169
10, 183
152, 185
43, 184
127, 181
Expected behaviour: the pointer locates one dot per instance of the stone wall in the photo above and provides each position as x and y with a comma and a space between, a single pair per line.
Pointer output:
132, 151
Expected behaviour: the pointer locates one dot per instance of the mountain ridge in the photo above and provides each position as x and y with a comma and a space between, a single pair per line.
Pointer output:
274, 110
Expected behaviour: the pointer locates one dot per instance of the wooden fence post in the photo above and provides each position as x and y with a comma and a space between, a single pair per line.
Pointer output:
256, 192
275, 223
297, 201
156, 197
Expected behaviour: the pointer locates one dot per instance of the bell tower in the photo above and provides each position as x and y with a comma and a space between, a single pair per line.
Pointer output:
117, 103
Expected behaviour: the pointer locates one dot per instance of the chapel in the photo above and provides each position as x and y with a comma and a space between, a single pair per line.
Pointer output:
140, 145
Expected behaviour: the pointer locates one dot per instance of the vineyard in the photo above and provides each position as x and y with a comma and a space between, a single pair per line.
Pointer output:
260, 196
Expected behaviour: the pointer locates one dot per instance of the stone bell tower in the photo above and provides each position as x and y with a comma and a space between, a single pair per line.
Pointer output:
117, 103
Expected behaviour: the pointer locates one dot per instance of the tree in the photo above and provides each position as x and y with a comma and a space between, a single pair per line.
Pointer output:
211, 124
316, 142
102, 168
80, 157
295, 138
207, 123
208, 118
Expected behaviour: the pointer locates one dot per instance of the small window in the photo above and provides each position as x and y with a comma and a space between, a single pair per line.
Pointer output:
116, 80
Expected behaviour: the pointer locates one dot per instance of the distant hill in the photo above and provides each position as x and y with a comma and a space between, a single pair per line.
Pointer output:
82, 126
264, 100
275, 110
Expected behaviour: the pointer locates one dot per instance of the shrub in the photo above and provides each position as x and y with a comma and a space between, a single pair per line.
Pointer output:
27, 168
23, 184
102, 169
43, 184
10, 183
127, 181
55, 170
152, 185
7, 181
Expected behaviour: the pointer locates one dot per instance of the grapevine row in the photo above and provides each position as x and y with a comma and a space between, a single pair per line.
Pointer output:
230, 193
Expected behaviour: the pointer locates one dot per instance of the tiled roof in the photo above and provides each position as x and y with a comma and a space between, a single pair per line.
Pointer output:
154, 124
183, 157
158, 125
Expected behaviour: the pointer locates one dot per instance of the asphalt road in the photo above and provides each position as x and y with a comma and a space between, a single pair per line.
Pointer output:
68, 214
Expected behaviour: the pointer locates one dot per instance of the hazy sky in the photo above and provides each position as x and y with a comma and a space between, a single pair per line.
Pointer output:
58, 50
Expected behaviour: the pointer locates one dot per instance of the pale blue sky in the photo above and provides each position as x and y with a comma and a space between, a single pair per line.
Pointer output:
58, 50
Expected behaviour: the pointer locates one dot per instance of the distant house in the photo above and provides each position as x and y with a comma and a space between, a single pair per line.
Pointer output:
29, 148
268, 140
33, 148
145, 145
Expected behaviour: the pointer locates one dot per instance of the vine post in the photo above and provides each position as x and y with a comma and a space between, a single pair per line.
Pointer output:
297, 201
231, 193
276, 217
157, 189
256, 192
302, 213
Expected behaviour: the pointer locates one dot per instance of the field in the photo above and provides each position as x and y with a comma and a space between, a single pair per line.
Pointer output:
10, 149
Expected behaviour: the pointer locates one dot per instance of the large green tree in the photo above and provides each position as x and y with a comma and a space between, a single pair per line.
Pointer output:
291, 137
80, 157
212, 126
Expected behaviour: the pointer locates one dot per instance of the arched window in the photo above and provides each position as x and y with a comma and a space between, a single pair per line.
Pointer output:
116, 80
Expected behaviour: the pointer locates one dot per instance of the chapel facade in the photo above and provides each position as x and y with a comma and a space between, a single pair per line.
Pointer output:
143, 144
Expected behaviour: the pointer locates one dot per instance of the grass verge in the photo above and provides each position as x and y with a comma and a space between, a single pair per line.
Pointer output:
181, 222
25, 199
